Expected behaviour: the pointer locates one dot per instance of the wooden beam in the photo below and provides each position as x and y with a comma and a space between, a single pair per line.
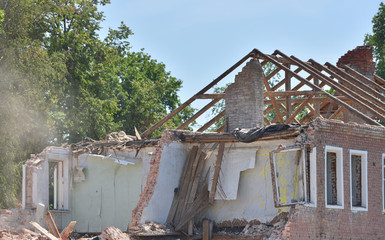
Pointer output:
337, 112
217, 170
365, 79
229, 137
300, 100
189, 101
43, 231
200, 112
220, 129
354, 92
353, 110
299, 109
210, 96
291, 93
68, 230
212, 121
288, 88
54, 227
379, 79
334, 71
273, 102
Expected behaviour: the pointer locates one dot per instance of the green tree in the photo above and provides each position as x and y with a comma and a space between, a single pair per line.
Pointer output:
377, 40
60, 82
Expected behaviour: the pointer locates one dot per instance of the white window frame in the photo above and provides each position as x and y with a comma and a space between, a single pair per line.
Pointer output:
61, 178
364, 179
340, 177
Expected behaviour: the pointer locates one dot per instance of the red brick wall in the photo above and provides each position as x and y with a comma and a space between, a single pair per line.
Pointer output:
361, 59
152, 177
326, 223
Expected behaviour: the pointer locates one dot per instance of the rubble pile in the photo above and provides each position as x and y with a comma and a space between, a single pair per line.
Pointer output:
151, 229
267, 231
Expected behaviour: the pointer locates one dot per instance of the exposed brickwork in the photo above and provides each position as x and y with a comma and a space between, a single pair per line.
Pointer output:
361, 59
326, 223
28, 187
244, 98
167, 137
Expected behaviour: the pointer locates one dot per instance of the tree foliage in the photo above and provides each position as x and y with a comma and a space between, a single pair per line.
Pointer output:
61, 83
377, 40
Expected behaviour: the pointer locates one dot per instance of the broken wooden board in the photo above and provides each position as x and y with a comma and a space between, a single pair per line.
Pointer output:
43, 231
217, 170
68, 230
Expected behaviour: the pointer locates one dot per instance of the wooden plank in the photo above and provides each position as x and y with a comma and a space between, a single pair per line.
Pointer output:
288, 88
211, 96
379, 79
56, 231
43, 231
354, 89
330, 109
68, 230
291, 93
183, 185
337, 112
205, 230
342, 89
27, 231
298, 62
278, 85
212, 121
193, 181
217, 170
316, 105
220, 129
299, 109
196, 115
138, 137
366, 79
197, 178
47, 220
189, 101
200, 203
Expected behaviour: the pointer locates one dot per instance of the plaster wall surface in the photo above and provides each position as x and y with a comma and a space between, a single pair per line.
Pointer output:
173, 158
251, 183
40, 184
110, 191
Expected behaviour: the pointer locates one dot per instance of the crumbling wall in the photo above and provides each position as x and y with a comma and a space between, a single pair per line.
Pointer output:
344, 223
165, 169
244, 98
246, 195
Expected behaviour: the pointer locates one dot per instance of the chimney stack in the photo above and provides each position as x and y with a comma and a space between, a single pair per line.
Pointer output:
360, 59
244, 98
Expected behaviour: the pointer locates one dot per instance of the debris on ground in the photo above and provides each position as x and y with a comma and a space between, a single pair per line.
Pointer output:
151, 229
266, 231
113, 233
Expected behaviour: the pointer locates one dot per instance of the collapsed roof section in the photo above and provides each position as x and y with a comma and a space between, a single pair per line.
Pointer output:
298, 92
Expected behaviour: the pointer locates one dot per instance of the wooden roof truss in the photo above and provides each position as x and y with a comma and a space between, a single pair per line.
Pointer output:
300, 95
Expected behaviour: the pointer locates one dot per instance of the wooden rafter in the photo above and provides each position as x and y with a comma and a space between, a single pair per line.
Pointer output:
352, 109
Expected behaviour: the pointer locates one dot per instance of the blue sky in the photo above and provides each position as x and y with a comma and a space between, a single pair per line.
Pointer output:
199, 40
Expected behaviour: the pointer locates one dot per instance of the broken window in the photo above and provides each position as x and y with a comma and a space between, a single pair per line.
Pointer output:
333, 177
288, 176
58, 185
311, 176
358, 179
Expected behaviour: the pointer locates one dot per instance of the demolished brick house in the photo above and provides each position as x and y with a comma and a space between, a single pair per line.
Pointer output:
324, 162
